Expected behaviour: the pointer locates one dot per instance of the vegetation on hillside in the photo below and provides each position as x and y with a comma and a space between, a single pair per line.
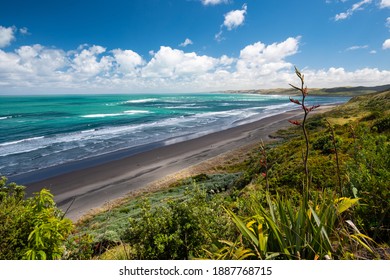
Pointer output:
320, 192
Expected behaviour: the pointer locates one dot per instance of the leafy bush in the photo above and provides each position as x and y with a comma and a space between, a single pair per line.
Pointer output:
78, 247
31, 228
324, 144
177, 230
368, 173
382, 125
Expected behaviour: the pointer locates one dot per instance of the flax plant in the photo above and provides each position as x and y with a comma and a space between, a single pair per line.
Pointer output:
304, 92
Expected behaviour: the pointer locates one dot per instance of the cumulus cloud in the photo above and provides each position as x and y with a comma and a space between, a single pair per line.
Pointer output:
173, 63
88, 62
127, 61
334, 77
235, 18
186, 43
213, 2
6, 36
259, 60
384, 4
37, 68
351, 11
386, 44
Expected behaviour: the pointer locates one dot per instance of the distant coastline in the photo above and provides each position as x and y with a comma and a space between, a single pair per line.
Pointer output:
335, 91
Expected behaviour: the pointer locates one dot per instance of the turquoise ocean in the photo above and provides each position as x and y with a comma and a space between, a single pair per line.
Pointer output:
37, 132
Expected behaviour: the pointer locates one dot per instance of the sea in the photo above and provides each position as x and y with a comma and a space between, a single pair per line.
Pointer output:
39, 132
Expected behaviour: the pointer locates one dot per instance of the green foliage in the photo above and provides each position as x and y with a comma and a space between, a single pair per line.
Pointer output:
368, 174
324, 144
78, 247
382, 124
30, 228
283, 231
177, 230
108, 229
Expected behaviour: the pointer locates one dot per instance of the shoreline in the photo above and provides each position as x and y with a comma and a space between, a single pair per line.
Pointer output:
83, 188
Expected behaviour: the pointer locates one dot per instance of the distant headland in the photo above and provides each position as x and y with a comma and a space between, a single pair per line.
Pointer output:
335, 91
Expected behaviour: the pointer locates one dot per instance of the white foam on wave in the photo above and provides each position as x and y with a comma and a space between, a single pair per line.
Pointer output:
6, 117
21, 141
102, 115
279, 106
141, 100
124, 113
134, 112
22, 146
186, 107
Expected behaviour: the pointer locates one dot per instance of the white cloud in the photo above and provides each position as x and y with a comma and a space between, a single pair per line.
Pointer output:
373, 52
349, 12
354, 48
127, 61
388, 22
40, 61
6, 36
34, 67
342, 16
24, 31
87, 62
259, 62
218, 37
384, 4
40, 69
225, 60
386, 44
172, 63
334, 77
235, 18
213, 2
186, 43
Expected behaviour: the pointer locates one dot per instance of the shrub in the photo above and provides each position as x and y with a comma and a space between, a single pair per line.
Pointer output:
368, 173
177, 230
382, 125
32, 228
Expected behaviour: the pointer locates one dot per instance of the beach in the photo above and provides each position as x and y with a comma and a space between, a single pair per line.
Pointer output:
84, 186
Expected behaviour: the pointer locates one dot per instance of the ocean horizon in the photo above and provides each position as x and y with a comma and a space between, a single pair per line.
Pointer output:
44, 131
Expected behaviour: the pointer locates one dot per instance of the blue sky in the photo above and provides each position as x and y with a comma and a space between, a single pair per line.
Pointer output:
96, 46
